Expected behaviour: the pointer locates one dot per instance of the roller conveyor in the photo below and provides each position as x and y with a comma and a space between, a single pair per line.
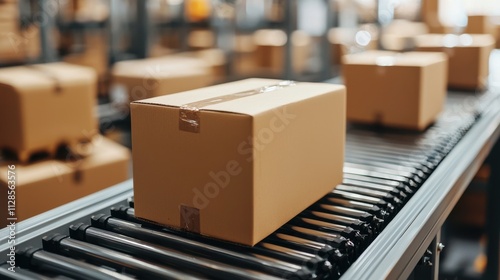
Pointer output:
384, 170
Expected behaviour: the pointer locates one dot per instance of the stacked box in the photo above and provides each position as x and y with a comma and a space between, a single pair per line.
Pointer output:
46, 184
480, 24
44, 106
270, 50
468, 57
404, 90
220, 160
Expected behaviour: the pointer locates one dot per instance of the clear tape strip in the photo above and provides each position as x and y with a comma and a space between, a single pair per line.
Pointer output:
189, 114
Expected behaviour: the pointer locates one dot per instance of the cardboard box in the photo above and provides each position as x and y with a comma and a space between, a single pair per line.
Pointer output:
399, 35
215, 58
9, 11
480, 24
270, 50
399, 90
468, 66
239, 168
141, 79
46, 105
43, 185
201, 39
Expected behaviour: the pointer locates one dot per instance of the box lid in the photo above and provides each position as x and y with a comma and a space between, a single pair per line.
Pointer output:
252, 104
387, 58
454, 41
34, 77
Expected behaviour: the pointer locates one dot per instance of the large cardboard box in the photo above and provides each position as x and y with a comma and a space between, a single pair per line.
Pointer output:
469, 55
46, 184
9, 11
270, 50
238, 160
141, 79
45, 105
404, 90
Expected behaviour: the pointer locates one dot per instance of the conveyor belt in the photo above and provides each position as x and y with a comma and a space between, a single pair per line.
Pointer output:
383, 170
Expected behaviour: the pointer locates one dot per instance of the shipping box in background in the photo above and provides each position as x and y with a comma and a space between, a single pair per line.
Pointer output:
270, 50
45, 105
46, 184
480, 24
404, 90
145, 78
255, 154
469, 54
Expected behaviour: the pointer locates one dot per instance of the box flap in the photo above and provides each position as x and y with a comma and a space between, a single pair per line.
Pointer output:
248, 105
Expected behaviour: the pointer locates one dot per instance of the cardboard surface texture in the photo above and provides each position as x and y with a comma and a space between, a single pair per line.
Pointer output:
46, 105
44, 185
152, 77
404, 90
468, 66
480, 24
256, 161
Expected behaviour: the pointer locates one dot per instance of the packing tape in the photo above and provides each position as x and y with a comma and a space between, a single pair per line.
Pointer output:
189, 114
45, 72
190, 218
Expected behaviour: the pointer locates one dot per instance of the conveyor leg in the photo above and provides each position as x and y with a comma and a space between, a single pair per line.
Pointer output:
493, 216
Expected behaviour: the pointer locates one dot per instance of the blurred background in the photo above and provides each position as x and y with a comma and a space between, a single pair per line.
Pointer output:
136, 46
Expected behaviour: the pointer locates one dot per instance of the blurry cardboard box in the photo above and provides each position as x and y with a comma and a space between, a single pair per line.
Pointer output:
140, 79
270, 50
244, 62
44, 185
11, 50
94, 54
215, 58
404, 90
351, 40
9, 11
9, 26
236, 161
468, 57
46, 105
201, 39
480, 24
399, 35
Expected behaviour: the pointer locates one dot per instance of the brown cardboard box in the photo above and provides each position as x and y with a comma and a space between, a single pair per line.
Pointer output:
201, 39
468, 54
215, 58
43, 185
254, 163
152, 77
9, 11
399, 35
351, 40
498, 35
480, 24
400, 90
270, 51
46, 105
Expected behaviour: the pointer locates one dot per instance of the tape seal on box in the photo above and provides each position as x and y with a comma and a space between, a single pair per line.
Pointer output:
51, 76
189, 114
190, 218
